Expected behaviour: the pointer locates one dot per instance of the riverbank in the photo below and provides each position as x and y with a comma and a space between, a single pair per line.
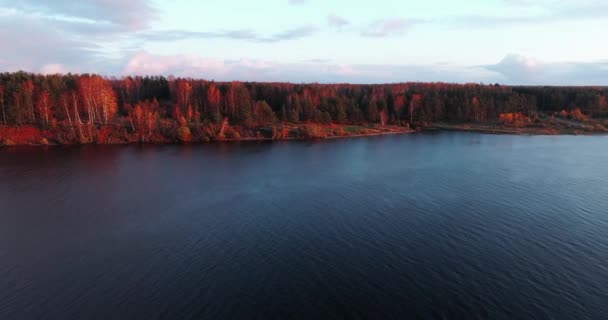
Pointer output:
63, 134
550, 126
117, 134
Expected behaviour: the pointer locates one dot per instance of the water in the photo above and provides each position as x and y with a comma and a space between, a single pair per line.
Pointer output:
430, 225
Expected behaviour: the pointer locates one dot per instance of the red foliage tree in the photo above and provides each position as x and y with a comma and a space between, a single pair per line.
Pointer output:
415, 104
43, 105
2, 91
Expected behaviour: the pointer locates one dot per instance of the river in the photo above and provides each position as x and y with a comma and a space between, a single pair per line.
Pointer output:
445, 225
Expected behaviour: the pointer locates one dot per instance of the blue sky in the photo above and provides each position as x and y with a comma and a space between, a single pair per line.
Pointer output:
505, 41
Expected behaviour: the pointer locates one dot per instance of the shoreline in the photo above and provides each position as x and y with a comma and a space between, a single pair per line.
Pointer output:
390, 130
585, 130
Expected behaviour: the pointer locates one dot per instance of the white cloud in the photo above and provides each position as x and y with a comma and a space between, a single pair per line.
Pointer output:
386, 27
518, 69
334, 20
30, 44
532, 12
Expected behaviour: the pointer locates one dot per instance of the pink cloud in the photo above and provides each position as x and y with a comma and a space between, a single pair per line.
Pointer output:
124, 14
322, 71
135, 14
144, 63
345, 70
53, 68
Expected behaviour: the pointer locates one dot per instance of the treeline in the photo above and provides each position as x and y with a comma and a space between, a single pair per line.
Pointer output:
150, 103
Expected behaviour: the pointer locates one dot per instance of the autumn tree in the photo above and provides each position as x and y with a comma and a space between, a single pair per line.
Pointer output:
415, 104
137, 117
399, 105
602, 104
27, 99
372, 111
64, 101
2, 91
243, 104
293, 108
74, 98
152, 116
213, 101
43, 105
158, 103
18, 111
307, 106
230, 100
184, 91
131, 89
99, 99
144, 117
262, 113
383, 116
433, 107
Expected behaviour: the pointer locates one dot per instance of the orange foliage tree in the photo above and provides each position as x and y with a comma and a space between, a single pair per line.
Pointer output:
516, 119
144, 117
577, 114
99, 99
214, 97
184, 91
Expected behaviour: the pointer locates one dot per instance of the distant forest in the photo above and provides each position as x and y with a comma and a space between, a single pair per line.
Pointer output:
159, 103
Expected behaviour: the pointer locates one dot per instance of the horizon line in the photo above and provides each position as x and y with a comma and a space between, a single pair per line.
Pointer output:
173, 77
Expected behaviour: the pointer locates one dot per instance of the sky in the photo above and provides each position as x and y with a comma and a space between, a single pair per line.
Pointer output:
522, 42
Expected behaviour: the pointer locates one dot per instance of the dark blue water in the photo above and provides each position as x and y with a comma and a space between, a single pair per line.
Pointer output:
429, 226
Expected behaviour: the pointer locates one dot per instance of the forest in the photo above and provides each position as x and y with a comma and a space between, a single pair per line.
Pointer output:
87, 108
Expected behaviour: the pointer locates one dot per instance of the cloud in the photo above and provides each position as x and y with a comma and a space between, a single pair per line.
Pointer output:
386, 27
143, 63
129, 15
549, 2
533, 12
242, 34
322, 71
336, 21
95, 35
90, 36
295, 2
512, 69
519, 69
290, 34
37, 44
54, 68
